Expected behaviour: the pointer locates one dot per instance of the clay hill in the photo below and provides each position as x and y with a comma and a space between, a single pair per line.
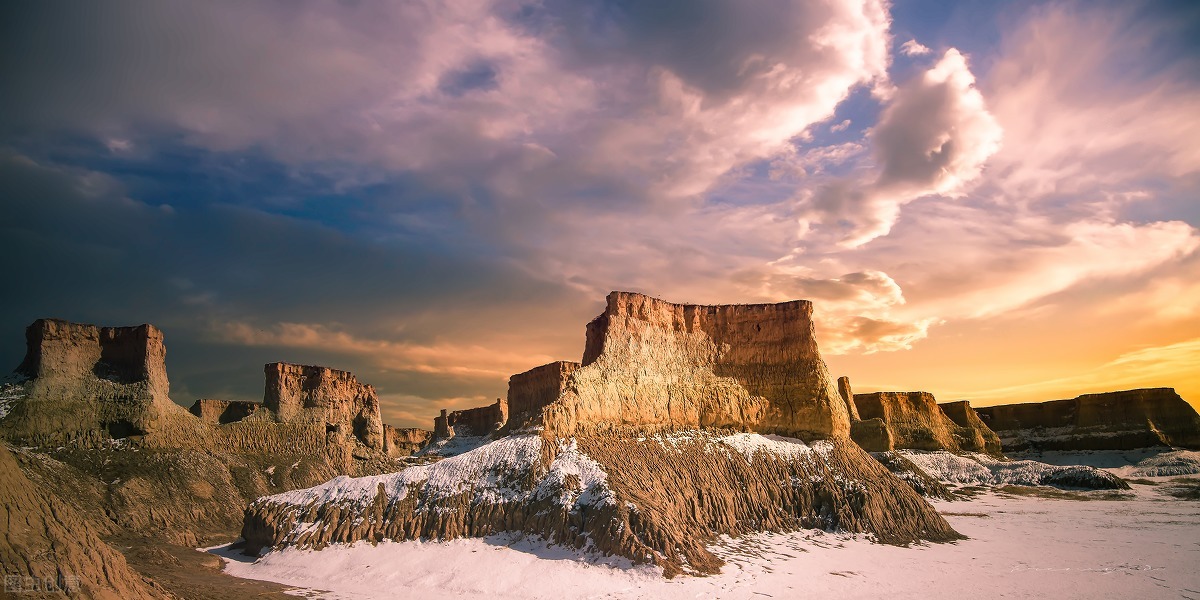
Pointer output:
91, 408
1111, 421
680, 424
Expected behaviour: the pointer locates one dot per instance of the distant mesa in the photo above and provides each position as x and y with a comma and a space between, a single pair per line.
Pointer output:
1141, 418
86, 385
914, 420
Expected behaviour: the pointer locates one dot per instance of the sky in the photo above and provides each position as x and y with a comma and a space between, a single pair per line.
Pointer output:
993, 201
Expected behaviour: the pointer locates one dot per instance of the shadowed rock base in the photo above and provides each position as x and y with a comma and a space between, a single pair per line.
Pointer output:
50, 548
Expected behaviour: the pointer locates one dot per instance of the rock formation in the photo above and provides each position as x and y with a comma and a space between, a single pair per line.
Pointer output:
221, 412
404, 441
96, 399
480, 421
1123, 420
50, 548
86, 384
652, 447
311, 394
651, 363
893, 420
537, 388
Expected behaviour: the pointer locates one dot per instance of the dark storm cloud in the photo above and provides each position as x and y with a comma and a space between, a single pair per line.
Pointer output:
80, 249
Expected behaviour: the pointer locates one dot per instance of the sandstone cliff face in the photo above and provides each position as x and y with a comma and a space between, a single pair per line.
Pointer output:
404, 441
651, 363
220, 412
537, 388
88, 384
1111, 421
972, 434
893, 420
312, 394
479, 421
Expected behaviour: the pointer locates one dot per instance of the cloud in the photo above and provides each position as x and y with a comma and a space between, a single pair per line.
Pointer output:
444, 358
933, 137
1080, 119
914, 48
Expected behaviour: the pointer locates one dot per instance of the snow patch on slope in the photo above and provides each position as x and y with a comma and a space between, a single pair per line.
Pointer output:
784, 447
1167, 464
12, 390
981, 469
486, 470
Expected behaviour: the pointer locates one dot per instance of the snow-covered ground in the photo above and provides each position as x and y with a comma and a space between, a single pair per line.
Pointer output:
1146, 545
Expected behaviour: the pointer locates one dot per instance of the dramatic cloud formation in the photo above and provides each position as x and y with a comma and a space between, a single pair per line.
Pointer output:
438, 195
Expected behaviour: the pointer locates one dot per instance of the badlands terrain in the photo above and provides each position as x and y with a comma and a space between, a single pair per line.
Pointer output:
694, 451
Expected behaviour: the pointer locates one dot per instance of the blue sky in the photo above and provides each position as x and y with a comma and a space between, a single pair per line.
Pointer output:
986, 200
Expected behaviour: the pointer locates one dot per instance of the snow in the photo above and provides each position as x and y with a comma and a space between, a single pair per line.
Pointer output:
981, 469
11, 390
485, 470
592, 482
1130, 464
1146, 546
784, 447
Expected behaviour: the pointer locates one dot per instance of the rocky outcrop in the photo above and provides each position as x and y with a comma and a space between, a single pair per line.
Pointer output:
48, 547
87, 384
914, 420
312, 394
1123, 420
654, 364
479, 421
537, 388
659, 499
404, 441
220, 412
972, 433
654, 446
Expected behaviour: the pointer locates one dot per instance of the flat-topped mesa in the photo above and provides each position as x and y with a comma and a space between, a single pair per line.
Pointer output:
479, 421
221, 412
88, 383
1124, 420
653, 364
313, 394
914, 420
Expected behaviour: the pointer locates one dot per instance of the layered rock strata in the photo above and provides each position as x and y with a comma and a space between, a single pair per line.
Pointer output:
914, 420
404, 441
654, 446
313, 394
86, 384
537, 388
221, 412
652, 363
480, 421
1124, 420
